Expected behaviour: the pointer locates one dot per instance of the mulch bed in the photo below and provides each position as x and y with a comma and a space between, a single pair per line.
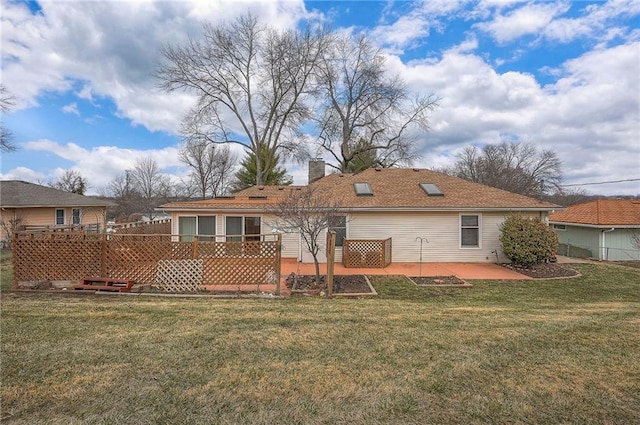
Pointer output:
439, 281
342, 284
544, 271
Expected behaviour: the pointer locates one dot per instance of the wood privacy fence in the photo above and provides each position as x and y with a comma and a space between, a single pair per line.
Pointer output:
157, 260
362, 253
160, 227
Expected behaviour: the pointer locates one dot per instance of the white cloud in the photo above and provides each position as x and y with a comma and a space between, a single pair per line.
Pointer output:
71, 108
528, 19
101, 164
589, 117
112, 48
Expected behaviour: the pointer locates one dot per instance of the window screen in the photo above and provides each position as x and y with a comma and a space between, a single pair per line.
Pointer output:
470, 231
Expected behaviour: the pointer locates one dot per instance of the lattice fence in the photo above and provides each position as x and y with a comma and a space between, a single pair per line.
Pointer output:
157, 260
366, 253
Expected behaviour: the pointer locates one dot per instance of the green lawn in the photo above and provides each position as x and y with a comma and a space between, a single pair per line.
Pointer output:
557, 351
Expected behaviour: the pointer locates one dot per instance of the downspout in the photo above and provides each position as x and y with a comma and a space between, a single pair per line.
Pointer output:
604, 243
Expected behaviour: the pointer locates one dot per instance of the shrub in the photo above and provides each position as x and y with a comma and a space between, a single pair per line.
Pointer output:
527, 242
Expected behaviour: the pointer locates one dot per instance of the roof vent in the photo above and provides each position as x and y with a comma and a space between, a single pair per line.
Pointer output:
363, 189
225, 197
416, 169
257, 196
378, 169
431, 189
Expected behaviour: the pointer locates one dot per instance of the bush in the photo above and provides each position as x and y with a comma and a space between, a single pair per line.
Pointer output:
527, 242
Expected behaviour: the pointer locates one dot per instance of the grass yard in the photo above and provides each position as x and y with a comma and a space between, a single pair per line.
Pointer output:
556, 351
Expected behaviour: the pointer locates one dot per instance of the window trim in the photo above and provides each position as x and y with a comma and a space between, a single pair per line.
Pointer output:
64, 216
478, 227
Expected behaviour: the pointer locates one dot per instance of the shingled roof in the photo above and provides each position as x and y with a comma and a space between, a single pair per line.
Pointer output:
20, 194
391, 188
603, 212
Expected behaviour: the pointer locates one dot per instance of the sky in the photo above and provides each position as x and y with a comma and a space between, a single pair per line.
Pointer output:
561, 75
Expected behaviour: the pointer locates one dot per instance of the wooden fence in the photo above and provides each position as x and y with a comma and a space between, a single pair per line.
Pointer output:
161, 227
157, 260
362, 253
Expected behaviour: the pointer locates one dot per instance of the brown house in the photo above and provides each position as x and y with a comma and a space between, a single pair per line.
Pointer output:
29, 205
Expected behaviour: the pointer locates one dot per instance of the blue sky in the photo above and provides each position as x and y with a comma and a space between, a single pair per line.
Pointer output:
562, 75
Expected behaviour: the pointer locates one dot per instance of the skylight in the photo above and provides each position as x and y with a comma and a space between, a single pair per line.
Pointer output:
431, 189
363, 189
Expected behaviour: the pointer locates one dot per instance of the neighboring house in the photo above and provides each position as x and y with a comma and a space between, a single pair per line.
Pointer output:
459, 219
31, 205
602, 229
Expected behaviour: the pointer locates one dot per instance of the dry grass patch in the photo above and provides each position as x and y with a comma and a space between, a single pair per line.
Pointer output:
534, 352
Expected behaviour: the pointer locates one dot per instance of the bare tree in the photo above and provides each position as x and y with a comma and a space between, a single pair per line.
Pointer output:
310, 212
211, 166
6, 137
152, 186
365, 114
71, 181
11, 222
250, 80
567, 197
122, 189
513, 166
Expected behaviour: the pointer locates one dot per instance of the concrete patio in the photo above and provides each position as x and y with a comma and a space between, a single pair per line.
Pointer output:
462, 270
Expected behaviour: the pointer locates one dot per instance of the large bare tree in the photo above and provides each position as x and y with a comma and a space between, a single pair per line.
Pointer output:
211, 167
122, 189
366, 115
152, 186
250, 80
6, 137
513, 166
310, 212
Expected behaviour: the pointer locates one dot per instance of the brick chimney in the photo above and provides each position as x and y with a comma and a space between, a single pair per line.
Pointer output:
316, 169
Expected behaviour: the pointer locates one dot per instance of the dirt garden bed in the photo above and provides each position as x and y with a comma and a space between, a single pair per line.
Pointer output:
343, 285
544, 271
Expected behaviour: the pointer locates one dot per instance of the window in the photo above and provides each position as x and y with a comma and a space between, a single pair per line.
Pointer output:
203, 225
59, 217
75, 216
206, 227
339, 225
470, 231
363, 189
237, 227
431, 189
186, 228
560, 227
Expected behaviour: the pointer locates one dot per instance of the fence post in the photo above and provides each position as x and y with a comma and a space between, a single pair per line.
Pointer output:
103, 255
278, 262
194, 246
331, 257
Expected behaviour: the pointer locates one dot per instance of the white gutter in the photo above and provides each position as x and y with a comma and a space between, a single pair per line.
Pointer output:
604, 242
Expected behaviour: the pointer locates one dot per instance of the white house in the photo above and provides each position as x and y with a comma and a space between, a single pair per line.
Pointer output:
454, 220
